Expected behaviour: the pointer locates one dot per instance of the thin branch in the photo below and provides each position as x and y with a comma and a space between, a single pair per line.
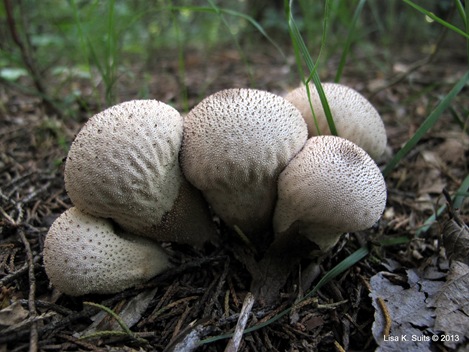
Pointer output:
235, 341
33, 336
29, 61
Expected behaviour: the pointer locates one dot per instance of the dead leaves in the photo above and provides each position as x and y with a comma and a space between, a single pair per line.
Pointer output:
423, 310
418, 308
451, 304
456, 239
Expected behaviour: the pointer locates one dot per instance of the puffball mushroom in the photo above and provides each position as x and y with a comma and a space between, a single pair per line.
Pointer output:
123, 165
236, 142
330, 187
84, 254
354, 116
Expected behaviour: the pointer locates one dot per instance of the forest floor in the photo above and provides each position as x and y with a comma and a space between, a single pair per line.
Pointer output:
395, 290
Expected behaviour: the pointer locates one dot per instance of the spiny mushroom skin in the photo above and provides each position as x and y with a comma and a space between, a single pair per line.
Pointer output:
236, 142
123, 165
331, 187
83, 254
354, 116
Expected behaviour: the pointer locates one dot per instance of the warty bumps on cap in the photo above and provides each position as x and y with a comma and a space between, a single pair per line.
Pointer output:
84, 254
331, 187
236, 142
354, 116
124, 165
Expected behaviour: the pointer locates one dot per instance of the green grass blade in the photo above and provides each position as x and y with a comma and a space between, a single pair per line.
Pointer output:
461, 193
348, 42
302, 51
111, 54
220, 13
462, 12
466, 23
221, 10
255, 24
109, 311
437, 19
181, 60
345, 264
426, 125
81, 35
394, 241
458, 199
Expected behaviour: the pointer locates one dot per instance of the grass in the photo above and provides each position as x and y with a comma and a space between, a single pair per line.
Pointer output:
117, 28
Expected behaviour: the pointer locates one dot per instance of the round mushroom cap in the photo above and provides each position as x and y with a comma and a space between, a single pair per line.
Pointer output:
354, 116
84, 254
123, 165
331, 187
236, 142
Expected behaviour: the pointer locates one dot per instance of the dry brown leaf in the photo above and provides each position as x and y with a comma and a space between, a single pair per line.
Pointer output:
410, 316
456, 240
452, 306
13, 314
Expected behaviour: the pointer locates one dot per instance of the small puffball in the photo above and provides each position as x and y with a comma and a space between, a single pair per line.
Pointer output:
354, 116
83, 254
331, 187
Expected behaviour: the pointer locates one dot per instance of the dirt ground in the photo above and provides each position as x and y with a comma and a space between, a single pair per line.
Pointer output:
204, 294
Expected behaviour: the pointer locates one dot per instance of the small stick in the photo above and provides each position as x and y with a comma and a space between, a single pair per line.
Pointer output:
33, 336
16, 274
235, 341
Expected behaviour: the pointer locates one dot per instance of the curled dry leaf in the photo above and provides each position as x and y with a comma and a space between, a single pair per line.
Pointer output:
456, 239
13, 314
452, 306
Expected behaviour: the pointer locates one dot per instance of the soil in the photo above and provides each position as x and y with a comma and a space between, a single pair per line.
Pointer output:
203, 295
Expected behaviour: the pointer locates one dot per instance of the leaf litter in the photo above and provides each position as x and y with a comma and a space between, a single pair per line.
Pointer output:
202, 297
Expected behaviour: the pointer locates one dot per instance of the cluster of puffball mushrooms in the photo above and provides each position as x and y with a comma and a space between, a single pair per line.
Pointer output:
139, 174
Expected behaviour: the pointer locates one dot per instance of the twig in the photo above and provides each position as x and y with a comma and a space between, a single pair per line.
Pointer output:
387, 317
79, 342
16, 274
29, 61
49, 306
7, 217
338, 346
235, 341
33, 336
54, 326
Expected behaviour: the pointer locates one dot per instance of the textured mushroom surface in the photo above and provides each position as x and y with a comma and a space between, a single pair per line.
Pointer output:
236, 142
332, 186
123, 165
354, 116
83, 254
